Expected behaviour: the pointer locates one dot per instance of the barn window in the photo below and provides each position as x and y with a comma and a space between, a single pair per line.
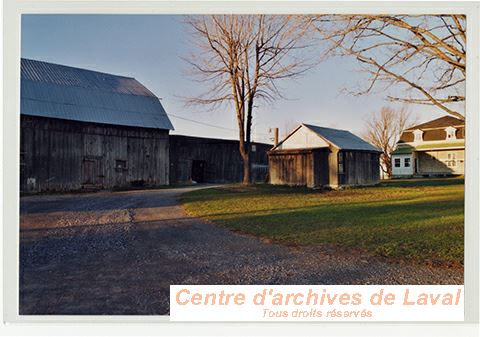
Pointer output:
254, 148
397, 162
406, 162
341, 168
120, 165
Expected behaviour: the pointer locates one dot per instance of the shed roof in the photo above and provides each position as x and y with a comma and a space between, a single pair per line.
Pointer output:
342, 139
58, 91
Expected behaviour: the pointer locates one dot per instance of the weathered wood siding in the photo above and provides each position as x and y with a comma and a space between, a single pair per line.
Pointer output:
299, 167
216, 160
60, 155
320, 167
360, 168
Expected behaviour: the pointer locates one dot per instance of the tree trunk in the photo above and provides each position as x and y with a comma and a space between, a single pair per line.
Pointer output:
246, 169
387, 163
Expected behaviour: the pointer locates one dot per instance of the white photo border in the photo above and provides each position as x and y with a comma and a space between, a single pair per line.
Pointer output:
126, 325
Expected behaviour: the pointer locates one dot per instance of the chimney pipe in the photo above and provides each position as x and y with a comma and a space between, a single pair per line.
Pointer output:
275, 136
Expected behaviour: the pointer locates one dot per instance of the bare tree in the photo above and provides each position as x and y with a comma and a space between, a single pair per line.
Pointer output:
383, 129
424, 54
240, 59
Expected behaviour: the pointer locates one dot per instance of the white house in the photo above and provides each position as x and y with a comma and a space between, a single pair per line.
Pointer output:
434, 148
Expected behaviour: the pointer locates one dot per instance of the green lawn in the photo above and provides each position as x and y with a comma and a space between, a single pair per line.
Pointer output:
407, 219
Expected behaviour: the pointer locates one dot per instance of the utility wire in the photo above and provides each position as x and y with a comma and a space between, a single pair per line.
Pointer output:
210, 125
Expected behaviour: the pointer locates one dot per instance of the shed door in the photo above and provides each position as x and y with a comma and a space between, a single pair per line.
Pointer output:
92, 171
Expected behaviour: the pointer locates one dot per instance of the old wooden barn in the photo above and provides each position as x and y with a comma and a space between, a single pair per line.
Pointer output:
315, 156
83, 129
210, 160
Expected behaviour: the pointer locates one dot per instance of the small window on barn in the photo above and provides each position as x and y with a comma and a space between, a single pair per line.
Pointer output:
406, 162
120, 165
341, 167
397, 162
254, 148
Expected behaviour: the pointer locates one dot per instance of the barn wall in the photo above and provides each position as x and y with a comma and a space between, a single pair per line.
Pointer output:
360, 168
60, 155
216, 160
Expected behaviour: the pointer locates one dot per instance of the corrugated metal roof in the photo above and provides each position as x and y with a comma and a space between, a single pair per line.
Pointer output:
342, 139
57, 91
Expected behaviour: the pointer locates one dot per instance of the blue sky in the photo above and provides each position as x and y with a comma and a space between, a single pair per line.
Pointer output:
150, 48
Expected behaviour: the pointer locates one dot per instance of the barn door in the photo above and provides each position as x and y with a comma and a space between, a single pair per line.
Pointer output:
92, 172
198, 171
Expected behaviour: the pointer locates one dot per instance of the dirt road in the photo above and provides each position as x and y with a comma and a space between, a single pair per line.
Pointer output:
117, 253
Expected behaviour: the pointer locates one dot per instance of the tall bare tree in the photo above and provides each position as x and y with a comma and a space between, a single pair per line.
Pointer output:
383, 129
240, 59
424, 54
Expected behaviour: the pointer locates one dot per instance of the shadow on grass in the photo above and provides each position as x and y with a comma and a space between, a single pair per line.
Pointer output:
423, 182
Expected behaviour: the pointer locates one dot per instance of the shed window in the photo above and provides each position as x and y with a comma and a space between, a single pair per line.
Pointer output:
120, 164
341, 168
406, 162
397, 162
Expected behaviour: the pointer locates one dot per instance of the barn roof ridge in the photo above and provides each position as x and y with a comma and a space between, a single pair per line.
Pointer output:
73, 67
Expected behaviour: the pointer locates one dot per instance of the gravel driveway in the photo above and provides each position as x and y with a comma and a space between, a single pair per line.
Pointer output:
118, 252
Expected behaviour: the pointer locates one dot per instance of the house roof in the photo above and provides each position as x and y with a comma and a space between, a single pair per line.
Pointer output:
441, 122
403, 150
58, 91
342, 139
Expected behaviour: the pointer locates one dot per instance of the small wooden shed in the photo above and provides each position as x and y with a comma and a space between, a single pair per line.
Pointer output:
315, 156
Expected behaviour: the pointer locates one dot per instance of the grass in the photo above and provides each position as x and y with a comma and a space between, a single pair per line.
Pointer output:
420, 220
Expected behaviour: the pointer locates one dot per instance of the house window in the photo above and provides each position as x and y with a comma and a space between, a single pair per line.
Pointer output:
397, 162
341, 168
120, 165
418, 135
406, 162
451, 160
451, 132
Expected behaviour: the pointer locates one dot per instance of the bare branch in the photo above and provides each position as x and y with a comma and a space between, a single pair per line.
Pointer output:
423, 53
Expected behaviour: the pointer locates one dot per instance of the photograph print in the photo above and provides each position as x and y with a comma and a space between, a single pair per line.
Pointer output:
161, 150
